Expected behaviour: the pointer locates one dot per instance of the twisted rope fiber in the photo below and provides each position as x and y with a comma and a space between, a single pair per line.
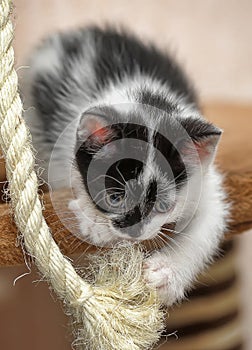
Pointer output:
120, 311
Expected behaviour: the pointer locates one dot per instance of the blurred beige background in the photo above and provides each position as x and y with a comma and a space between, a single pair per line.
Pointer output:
213, 40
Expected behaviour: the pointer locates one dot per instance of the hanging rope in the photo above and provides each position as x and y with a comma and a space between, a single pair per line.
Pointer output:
121, 314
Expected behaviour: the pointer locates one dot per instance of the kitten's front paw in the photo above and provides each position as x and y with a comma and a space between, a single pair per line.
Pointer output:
160, 274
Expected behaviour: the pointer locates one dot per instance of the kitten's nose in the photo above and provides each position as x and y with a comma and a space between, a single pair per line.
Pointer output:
131, 223
133, 231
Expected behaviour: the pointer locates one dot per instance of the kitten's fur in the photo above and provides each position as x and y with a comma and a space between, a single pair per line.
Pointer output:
101, 86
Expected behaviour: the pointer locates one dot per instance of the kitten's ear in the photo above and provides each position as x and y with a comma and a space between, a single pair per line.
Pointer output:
204, 139
92, 125
94, 132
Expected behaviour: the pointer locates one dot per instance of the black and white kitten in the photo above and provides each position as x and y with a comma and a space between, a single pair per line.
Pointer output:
118, 121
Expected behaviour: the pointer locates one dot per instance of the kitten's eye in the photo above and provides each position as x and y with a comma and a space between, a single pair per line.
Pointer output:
161, 207
114, 199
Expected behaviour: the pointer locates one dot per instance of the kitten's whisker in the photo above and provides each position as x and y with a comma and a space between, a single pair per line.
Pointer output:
110, 177
67, 227
175, 232
167, 243
54, 198
148, 243
170, 230
90, 220
174, 242
71, 236
123, 178
170, 239
74, 248
184, 235
100, 200
105, 190
78, 259
74, 217
172, 185
164, 244
155, 244
167, 238
179, 175
59, 212
159, 242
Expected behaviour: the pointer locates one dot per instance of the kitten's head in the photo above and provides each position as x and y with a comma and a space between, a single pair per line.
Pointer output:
137, 171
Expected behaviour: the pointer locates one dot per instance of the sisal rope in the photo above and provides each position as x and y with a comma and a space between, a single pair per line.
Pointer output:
119, 313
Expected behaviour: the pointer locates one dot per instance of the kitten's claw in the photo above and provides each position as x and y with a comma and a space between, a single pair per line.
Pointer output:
161, 275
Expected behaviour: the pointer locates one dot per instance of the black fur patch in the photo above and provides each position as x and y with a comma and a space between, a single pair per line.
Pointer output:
168, 148
199, 128
155, 100
120, 54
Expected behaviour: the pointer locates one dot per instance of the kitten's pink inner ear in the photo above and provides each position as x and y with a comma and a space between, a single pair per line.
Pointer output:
98, 130
95, 127
204, 149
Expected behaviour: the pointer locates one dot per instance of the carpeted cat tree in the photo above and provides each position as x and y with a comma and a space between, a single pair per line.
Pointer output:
128, 317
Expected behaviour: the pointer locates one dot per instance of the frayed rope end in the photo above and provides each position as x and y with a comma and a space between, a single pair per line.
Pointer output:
123, 312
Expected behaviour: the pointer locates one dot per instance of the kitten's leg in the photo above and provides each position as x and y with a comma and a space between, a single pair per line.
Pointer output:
172, 270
